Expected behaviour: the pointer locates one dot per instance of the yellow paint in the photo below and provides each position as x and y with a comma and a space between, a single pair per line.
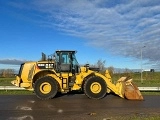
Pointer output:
45, 88
95, 87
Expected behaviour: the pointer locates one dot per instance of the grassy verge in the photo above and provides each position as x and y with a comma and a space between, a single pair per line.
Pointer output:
15, 92
147, 83
6, 81
150, 93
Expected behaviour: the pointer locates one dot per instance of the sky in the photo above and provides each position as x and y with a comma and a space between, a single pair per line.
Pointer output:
124, 33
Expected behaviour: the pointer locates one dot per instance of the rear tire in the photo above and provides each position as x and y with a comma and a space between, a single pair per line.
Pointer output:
46, 88
95, 87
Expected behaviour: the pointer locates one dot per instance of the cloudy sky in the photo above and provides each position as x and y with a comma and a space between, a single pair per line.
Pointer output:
118, 31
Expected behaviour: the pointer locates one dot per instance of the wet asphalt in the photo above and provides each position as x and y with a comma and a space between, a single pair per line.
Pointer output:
74, 106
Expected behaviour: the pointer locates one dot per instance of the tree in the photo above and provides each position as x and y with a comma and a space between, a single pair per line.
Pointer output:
101, 64
3, 73
43, 57
7, 72
111, 70
128, 72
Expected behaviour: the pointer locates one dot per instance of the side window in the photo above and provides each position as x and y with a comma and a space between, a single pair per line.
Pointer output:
56, 57
65, 58
74, 60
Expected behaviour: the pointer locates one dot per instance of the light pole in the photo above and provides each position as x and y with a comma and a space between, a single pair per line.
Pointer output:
141, 65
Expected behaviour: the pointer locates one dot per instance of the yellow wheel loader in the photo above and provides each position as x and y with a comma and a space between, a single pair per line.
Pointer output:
61, 73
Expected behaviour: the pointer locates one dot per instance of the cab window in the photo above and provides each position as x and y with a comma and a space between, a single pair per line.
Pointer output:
65, 58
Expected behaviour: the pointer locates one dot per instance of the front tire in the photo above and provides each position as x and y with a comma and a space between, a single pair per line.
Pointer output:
46, 88
95, 87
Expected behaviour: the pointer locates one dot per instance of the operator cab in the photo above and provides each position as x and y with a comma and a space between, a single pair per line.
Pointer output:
66, 61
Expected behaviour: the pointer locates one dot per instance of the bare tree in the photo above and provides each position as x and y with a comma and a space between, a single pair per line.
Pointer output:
7, 72
101, 64
128, 72
43, 57
111, 70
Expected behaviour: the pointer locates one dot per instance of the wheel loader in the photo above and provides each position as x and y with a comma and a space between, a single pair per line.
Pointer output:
61, 73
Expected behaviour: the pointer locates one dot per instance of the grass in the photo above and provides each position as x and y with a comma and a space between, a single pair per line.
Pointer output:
150, 93
15, 92
147, 83
149, 79
6, 81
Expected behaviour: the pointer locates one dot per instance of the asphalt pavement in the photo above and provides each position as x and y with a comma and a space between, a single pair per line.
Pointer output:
75, 106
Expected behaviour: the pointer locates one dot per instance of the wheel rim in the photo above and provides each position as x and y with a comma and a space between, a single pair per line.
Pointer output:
45, 87
95, 87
